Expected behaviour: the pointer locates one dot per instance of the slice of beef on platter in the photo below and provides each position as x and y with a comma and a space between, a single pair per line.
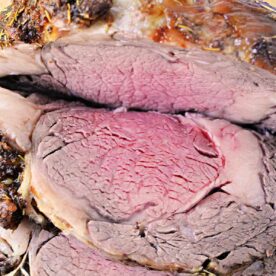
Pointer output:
161, 190
142, 186
139, 191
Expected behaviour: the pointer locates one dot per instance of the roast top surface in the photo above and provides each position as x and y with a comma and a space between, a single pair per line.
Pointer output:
241, 28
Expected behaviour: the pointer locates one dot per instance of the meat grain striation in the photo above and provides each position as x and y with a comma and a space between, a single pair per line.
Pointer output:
142, 186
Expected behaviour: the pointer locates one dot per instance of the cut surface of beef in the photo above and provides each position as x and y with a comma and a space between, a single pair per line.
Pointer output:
147, 76
65, 255
133, 184
260, 268
218, 233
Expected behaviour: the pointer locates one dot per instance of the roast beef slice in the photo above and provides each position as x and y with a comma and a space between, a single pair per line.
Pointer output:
128, 182
150, 76
65, 255
219, 232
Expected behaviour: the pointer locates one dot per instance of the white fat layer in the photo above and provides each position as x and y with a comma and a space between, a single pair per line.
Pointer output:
20, 59
65, 213
130, 19
243, 160
4, 4
18, 117
15, 242
245, 110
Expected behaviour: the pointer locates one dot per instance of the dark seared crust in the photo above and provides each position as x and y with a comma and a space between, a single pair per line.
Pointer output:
264, 50
11, 168
7, 264
240, 27
88, 10
33, 21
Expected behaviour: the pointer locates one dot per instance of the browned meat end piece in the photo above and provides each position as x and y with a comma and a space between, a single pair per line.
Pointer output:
43, 21
146, 76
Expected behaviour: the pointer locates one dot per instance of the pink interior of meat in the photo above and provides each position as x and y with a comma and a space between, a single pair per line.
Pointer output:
130, 166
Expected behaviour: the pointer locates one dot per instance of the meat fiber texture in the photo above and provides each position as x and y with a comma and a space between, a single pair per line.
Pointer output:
65, 255
149, 76
260, 268
141, 186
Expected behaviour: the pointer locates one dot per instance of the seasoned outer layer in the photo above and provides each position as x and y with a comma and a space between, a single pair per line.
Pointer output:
128, 182
11, 169
238, 27
42, 21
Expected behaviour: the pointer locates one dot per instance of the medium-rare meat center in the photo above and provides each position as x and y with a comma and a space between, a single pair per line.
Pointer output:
161, 190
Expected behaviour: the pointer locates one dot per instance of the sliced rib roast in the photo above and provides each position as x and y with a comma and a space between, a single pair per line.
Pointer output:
128, 183
170, 192
158, 180
146, 76
241, 28
76, 258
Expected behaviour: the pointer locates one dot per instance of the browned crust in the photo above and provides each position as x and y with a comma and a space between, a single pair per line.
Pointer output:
11, 169
35, 21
